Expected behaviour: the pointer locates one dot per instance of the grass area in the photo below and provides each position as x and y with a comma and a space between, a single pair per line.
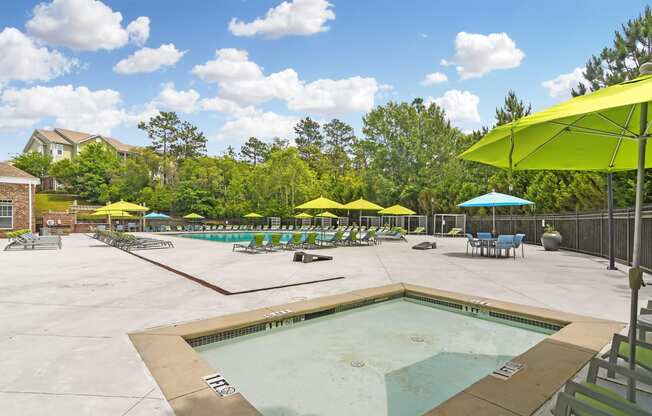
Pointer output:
55, 202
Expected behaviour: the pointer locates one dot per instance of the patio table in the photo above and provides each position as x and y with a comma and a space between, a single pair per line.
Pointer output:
487, 243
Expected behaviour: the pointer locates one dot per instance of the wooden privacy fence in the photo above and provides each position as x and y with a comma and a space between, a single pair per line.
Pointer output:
582, 232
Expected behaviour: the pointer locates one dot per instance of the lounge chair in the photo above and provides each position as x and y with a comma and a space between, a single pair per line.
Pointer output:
274, 243
31, 241
335, 239
473, 243
620, 349
419, 230
295, 242
310, 241
255, 245
591, 399
454, 232
369, 238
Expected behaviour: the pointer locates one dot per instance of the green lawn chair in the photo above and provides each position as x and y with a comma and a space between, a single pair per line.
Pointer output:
274, 243
454, 232
620, 349
419, 230
591, 399
256, 244
311, 241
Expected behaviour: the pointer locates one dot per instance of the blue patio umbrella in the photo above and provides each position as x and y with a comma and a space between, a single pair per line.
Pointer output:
156, 216
495, 199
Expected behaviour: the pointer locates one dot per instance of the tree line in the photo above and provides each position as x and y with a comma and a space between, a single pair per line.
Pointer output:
407, 153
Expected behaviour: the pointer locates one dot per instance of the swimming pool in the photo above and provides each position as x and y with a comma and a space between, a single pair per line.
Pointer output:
398, 357
239, 236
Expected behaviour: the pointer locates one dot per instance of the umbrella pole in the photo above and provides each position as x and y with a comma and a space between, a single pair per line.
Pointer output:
635, 275
610, 221
493, 210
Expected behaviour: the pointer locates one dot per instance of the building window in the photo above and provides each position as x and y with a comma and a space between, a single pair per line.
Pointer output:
6, 214
59, 149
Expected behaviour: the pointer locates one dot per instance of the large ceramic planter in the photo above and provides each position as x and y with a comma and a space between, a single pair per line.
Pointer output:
551, 241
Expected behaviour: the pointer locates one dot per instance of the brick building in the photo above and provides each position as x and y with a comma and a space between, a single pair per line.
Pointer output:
17, 190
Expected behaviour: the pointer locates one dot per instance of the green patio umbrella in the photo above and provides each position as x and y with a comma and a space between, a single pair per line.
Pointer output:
193, 216
253, 216
607, 130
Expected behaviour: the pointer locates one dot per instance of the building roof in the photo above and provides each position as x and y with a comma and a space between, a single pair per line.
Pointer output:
70, 137
52, 136
9, 173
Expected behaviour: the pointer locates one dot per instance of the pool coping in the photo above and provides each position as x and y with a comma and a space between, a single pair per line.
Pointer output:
179, 369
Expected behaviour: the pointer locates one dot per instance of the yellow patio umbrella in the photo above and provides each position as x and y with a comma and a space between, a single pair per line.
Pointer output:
193, 216
253, 216
303, 215
115, 214
321, 203
123, 206
326, 214
397, 211
362, 205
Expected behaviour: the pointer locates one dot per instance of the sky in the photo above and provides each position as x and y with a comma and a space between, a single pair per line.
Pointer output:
249, 68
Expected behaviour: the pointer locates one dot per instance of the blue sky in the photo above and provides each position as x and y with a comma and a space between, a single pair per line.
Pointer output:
102, 66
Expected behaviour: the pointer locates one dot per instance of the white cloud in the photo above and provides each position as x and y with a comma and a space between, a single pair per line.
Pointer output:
264, 125
561, 86
139, 30
222, 105
333, 97
84, 25
22, 60
244, 82
460, 106
149, 60
70, 107
296, 17
477, 54
434, 78
171, 99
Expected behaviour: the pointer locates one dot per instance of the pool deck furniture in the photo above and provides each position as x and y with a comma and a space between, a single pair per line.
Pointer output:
454, 232
254, 246
644, 323
418, 230
472, 242
518, 242
592, 399
620, 349
31, 241
504, 242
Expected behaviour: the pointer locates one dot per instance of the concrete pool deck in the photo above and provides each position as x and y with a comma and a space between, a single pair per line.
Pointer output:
65, 314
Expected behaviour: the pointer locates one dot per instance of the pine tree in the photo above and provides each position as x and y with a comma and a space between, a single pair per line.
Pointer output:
632, 47
163, 130
512, 109
254, 150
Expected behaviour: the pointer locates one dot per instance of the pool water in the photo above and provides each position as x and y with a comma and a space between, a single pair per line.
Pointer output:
239, 237
399, 357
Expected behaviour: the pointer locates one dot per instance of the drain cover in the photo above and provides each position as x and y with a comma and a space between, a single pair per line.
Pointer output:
356, 363
417, 338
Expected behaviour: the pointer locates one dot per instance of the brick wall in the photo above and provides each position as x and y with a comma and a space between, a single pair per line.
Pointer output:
59, 222
18, 194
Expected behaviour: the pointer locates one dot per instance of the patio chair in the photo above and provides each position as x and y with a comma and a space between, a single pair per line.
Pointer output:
255, 245
485, 236
504, 242
591, 399
472, 242
620, 349
518, 242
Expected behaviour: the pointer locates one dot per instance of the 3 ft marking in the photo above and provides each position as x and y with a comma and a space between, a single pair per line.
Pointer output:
219, 385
